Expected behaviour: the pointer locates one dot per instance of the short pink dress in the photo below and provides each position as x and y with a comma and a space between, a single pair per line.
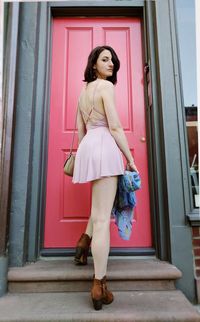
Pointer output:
98, 155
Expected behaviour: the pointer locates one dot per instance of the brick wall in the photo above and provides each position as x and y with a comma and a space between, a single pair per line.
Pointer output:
196, 252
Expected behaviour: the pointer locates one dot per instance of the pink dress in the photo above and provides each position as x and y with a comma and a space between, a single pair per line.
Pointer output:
98, 154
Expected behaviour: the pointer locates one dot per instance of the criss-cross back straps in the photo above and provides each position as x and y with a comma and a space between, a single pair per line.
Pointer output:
71, 148
92, 104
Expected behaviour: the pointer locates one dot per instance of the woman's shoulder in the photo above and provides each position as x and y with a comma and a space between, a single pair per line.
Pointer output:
102, 85
105, 86
106, 83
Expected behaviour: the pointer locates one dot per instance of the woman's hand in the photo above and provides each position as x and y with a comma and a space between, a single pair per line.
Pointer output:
131, 166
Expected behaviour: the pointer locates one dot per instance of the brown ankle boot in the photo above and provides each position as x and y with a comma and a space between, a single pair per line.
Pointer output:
82, 250
107, 295
100, 294
96, 294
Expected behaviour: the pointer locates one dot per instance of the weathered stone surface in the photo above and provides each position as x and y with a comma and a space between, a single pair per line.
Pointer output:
64, 276
125, 269
139, 306
83, 286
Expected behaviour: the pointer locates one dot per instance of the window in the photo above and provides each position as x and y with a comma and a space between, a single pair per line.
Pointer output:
187, 44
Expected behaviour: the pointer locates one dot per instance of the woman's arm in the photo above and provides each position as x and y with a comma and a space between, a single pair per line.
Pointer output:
80, 126
114, 124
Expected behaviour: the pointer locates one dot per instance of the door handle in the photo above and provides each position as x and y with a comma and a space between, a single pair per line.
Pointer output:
143, 139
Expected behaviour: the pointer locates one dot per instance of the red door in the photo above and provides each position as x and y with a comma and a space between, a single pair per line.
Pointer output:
68, 205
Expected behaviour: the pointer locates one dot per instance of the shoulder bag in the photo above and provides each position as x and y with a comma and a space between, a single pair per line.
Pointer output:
70, 160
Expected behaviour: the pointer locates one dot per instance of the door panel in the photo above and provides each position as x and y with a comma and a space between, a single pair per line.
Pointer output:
68, 205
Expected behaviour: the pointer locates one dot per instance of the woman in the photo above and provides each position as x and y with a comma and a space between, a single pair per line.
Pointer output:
99, 160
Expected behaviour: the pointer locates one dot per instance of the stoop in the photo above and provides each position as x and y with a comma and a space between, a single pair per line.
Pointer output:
57, 290
63, 276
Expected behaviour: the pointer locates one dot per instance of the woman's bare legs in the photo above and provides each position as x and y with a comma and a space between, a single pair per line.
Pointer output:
103, 195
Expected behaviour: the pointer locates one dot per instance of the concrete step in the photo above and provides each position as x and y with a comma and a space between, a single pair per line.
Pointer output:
63, 276
134, 306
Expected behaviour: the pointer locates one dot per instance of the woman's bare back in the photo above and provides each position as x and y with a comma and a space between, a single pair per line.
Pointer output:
91, 102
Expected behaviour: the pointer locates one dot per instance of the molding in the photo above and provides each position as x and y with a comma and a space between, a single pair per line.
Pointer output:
25, 103
56, 252
97, 3
97, 12
46, 73
8, 120
40, 135
157, 178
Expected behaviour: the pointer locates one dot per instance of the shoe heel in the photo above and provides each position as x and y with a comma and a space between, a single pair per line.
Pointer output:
79, 252
97, 304
80, 256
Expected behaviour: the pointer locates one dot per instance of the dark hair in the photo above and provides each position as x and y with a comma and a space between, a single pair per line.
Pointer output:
90, 75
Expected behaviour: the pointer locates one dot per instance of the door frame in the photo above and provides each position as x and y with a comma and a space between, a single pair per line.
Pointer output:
133, 9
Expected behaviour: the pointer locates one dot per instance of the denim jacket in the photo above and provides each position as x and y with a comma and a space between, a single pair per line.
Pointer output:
125, 201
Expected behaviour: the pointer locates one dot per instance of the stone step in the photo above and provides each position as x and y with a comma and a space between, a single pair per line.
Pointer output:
63, 276
134, 306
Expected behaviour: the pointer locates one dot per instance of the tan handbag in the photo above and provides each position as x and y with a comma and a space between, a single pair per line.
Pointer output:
69, 165
70, 160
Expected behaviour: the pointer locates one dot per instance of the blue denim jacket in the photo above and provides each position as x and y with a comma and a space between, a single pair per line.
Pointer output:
125, 201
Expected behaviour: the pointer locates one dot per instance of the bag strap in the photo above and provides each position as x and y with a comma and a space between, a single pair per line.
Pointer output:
72, 144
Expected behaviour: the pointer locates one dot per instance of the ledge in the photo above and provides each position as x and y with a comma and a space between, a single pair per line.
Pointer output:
98, 3
118, 269
194, 217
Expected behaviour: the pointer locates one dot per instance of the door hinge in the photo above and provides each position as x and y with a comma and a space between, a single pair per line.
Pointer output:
149, 84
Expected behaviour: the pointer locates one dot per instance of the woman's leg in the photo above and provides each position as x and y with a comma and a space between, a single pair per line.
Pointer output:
103, 195
89, 228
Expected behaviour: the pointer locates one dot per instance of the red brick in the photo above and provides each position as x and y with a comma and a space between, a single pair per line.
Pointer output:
197, 272
197, 252
197, 262
196, 242
195, 232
